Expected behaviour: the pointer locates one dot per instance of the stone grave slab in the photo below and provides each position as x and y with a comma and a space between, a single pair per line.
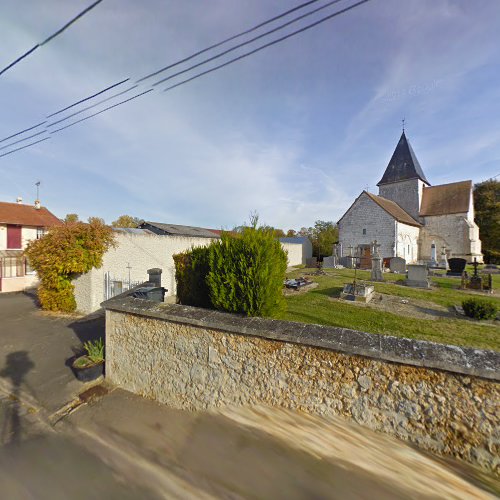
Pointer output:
397, 265
417, 276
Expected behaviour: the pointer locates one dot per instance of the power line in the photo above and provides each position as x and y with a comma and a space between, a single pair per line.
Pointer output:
24, 147
102, 111
218, 44
22, 140
47, 40
89, 97
22, 131
247, 42
262, 47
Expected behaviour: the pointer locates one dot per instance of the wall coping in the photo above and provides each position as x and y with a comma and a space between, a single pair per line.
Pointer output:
455, 359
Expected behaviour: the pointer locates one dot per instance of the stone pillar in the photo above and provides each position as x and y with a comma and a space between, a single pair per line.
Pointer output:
433, 262
376, 263
155, 276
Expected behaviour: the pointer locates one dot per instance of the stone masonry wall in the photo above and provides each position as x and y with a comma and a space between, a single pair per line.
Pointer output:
198, 359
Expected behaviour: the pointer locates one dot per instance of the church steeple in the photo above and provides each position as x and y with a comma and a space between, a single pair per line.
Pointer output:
403, 165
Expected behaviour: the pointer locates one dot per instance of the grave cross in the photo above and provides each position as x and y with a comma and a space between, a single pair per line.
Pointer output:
475, 264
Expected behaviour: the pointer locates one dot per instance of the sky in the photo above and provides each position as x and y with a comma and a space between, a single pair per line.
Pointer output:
294, 132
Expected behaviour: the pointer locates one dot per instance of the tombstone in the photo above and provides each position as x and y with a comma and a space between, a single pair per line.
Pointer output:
312, 262
443, 263
433, 262
476, 282
457, 266
155, 276
397, 265
376, 264
417, 276
357, 292
330, 262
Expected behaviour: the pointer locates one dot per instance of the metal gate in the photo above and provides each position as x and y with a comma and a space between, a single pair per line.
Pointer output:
113, 286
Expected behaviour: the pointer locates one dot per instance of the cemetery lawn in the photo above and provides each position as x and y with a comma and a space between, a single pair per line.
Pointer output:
316, 306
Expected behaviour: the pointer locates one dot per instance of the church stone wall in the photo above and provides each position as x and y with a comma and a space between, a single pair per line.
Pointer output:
379, 225
407, 194
456, 232
407, 242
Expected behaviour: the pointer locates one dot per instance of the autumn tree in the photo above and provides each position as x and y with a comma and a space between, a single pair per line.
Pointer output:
71, 218
487, 217
291, 233
126, 221
323, 236
63, 253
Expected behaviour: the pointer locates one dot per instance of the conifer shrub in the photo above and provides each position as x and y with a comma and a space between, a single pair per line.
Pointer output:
247, 272
63, 253
479, 309
191, 270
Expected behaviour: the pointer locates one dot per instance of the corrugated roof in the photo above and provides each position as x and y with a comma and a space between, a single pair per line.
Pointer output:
27, 215
403, 165
297, 239
453, 198
178, 230
393, 209
131, 230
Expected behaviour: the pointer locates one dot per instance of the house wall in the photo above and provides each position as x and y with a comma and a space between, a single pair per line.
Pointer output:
407, 242
28, 233
379, 225
297, 252
456, 232
442, 398
141, 252
18, 284
407, 194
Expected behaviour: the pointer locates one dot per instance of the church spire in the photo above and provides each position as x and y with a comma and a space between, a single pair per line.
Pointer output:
403, 165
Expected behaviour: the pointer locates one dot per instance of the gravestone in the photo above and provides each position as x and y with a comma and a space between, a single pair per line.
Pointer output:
329, 262
433, 262
457, 266
476, 282
397, 265
376, 263
357, 292
312, 262
417, 276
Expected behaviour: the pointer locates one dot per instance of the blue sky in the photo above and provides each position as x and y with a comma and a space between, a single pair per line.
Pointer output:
294, 132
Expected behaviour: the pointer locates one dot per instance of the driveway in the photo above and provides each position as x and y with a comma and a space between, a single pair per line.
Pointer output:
36, 348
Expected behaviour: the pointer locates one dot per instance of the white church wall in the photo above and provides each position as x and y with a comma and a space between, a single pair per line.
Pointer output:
407, 194
364, 222
456, 232
407, 242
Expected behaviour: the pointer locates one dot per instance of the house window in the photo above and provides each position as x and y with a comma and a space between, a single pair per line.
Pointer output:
364, 231
13, 237
40, 231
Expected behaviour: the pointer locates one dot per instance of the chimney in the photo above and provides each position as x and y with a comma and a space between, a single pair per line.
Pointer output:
37, 204
19, 200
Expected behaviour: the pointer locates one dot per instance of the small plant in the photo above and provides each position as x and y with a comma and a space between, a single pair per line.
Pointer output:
479, 309
95, 350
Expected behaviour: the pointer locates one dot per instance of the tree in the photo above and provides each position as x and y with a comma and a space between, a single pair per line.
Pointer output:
487, 208
71, 218
323, 236
63, 253
96, 220
291, 233
126, 221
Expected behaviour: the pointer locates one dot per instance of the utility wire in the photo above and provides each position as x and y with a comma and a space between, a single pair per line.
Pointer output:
51, 37
102, 111
92, 106
89, 97
247, 42
22, 131
22, 140
262, 47
24, 147
218, 44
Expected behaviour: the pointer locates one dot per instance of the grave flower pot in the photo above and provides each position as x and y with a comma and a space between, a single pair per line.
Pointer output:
86, 370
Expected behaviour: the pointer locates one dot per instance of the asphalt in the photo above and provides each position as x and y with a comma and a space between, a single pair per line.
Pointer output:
61, 438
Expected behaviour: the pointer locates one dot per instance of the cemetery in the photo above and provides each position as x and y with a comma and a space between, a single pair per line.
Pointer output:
412, 301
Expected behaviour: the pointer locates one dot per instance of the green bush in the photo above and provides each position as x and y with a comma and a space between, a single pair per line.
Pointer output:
95, 350
247, 272
479, 309
191, 270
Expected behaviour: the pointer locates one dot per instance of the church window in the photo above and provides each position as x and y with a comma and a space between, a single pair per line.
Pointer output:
364, 231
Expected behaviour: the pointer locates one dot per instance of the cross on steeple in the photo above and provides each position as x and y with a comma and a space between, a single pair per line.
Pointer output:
403, 124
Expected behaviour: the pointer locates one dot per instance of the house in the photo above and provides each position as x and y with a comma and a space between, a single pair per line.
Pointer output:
19, 224
409, 217
299, 249
152, 245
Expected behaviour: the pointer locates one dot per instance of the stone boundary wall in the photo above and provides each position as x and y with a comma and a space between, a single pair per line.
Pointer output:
443, 398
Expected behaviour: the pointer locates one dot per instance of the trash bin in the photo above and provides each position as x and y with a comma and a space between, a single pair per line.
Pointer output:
154, 293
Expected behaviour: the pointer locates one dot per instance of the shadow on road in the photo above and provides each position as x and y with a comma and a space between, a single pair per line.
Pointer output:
18, 364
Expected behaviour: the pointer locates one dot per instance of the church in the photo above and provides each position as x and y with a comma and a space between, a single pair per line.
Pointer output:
409, 218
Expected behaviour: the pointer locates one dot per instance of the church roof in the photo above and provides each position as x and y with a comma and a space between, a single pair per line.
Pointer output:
403, 165
393, 209
446, 199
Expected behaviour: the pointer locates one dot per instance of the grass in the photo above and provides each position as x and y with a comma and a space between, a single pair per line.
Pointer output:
315, 306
